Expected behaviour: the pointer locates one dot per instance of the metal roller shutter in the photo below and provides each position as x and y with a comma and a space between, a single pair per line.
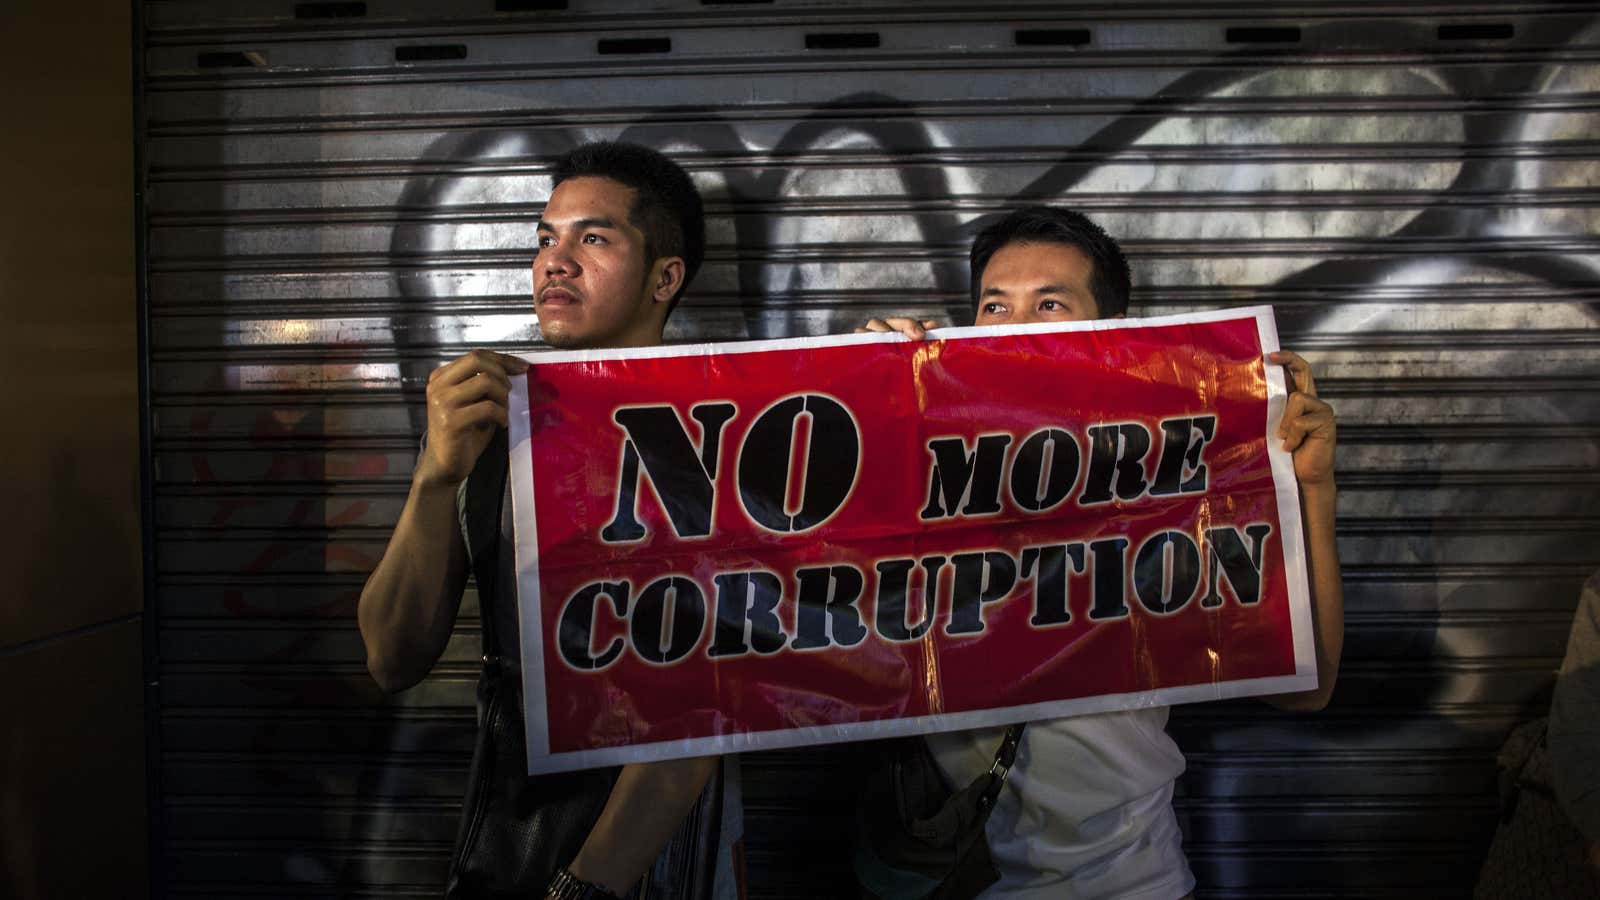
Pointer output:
342, 194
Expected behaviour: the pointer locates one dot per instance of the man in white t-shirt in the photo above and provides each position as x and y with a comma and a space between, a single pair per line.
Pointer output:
1087, 809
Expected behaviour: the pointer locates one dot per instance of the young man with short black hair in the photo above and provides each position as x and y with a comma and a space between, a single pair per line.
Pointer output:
622, 235
1087, 809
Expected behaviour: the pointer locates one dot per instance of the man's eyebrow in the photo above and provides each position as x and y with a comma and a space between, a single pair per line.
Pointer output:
1052, 289
589, 222
990, 292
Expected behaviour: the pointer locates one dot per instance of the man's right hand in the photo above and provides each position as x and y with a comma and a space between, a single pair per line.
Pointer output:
909, 327
467, 400
409, 604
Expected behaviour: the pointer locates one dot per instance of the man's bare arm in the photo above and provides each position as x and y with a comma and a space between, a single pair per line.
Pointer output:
645, 808
409, 603
1308, 431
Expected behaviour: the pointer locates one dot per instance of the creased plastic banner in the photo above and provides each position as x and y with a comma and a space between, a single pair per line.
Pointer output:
769, 544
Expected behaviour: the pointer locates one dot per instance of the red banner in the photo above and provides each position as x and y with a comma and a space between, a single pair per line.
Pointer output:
768, 544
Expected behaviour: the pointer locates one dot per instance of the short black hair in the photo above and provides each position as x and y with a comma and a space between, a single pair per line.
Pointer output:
1110, 281
666, 206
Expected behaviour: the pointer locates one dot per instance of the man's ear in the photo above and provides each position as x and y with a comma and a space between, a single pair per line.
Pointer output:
666, 278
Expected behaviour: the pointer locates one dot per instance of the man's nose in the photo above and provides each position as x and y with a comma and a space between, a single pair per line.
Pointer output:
557, 261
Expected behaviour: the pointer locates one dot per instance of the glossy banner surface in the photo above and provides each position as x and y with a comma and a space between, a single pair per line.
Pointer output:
771, 544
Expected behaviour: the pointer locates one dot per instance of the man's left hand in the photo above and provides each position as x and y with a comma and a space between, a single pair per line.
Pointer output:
1307, 429
911, 328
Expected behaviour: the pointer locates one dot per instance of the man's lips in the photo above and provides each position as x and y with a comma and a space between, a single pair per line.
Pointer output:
558, 296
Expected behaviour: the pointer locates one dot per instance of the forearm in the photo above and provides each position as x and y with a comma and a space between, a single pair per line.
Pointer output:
646, 806
409, 603
1327, 595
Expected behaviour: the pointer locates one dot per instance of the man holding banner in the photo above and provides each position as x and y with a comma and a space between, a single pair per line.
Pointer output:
1087, 809
620, 238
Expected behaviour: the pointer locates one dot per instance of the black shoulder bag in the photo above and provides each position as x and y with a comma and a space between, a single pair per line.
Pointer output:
516, 830
918, 840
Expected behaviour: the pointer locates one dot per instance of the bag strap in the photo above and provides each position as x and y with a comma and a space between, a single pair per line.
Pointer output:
1003, 760
479, 504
